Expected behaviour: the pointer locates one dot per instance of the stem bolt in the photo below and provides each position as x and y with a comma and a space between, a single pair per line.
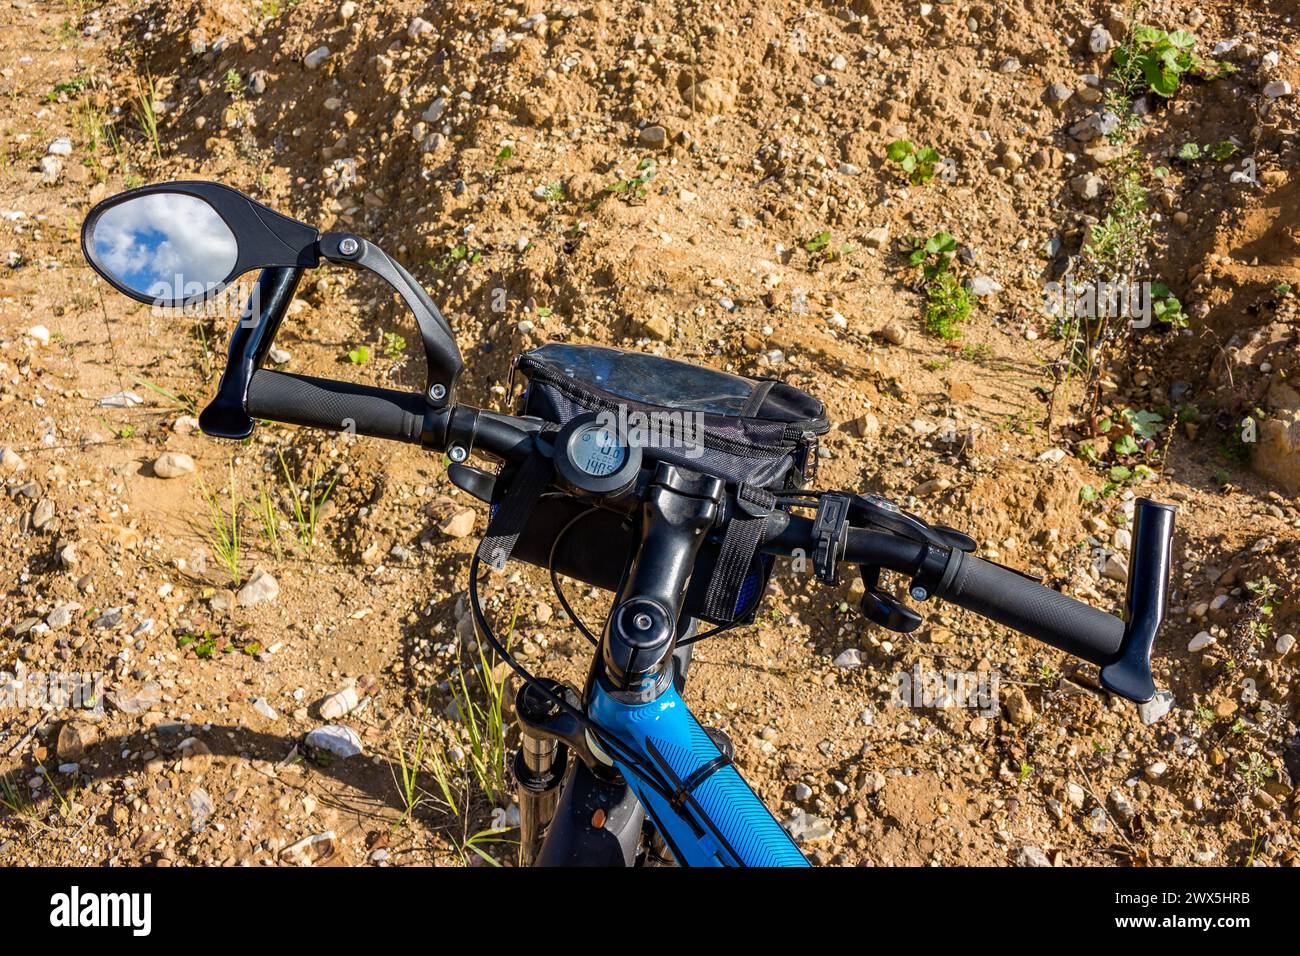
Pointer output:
457, 453
349, 246
437, 392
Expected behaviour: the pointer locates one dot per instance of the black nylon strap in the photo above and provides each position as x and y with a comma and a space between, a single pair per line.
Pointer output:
739, 546
514, 510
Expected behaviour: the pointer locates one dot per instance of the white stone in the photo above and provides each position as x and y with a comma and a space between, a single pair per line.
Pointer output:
337, 739
316, 57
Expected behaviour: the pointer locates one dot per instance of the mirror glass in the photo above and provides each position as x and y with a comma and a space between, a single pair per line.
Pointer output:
169, 247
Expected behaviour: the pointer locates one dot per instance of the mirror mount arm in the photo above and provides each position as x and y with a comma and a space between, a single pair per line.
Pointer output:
225, 416
441, 355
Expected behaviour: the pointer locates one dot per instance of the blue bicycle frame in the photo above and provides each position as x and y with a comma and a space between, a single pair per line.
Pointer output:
716, 820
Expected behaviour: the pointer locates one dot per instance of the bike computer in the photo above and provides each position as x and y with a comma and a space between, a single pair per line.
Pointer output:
593, 455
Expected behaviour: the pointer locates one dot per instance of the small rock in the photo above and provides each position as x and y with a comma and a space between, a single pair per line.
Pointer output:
40, 333
10, 462
848, 659
143, 699
802, 791
459, 525
316, 57
1155, 770
336, 705
1100, 40
1157, 707
982, 286
51, 170
1087, 185
1009, 65
261, 587
43, 513
1120, 803
1284, 644
62, 615
657, 328
1032, 856
1115, 569
806, 828
653, 137
894, 333
1019, 710
311, 850
336, 739
75, 738
876, 238
173, 464
263, 707
60, 147
419, 28
1200, 642
1057, 93
200, 804
1277, 88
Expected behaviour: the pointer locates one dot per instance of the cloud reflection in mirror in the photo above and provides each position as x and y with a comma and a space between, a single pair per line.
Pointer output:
169, 246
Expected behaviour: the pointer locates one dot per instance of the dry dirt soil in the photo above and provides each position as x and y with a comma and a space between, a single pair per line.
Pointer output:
477, 142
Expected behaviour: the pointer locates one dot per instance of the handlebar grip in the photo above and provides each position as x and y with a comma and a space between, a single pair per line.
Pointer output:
338, 406
1023, 604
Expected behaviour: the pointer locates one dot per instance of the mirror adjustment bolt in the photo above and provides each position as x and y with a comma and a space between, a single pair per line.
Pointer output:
349, 246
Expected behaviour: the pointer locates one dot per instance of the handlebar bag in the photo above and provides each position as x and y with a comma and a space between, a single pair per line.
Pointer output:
757, 434
760, 432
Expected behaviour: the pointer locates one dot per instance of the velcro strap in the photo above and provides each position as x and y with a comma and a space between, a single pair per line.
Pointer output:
740, 544
515, 508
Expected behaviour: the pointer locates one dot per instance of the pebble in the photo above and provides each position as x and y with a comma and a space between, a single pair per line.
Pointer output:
419, 28
1277, 88
894, 333
1200, 642
43, 513
62, 615
75, 738
1009, 65
336, 739
1115, 569
1285, 643
1019, 710
982, 286
1155, 770
1058, 93
653, 137
143, 699
1087, 185
10, 462
876, 238
310, 850
459, 525
316, 57
802, 791
173, 464
201, 807
51, 170
261, 588
848, 659
1100, 40
40, 333
1157, 707
804, 827
336, 705
1032, 856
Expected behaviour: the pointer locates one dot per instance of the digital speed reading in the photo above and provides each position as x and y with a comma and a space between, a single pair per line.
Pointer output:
593, 456
597, 451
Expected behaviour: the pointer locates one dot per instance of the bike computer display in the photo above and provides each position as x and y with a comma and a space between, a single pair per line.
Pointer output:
592, 455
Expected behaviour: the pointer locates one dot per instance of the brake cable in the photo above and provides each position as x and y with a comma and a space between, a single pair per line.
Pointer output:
612, 745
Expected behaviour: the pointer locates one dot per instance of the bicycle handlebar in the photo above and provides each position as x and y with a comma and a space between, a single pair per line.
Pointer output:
990, 590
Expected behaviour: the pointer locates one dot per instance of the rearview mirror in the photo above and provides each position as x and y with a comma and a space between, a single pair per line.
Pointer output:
174, 244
